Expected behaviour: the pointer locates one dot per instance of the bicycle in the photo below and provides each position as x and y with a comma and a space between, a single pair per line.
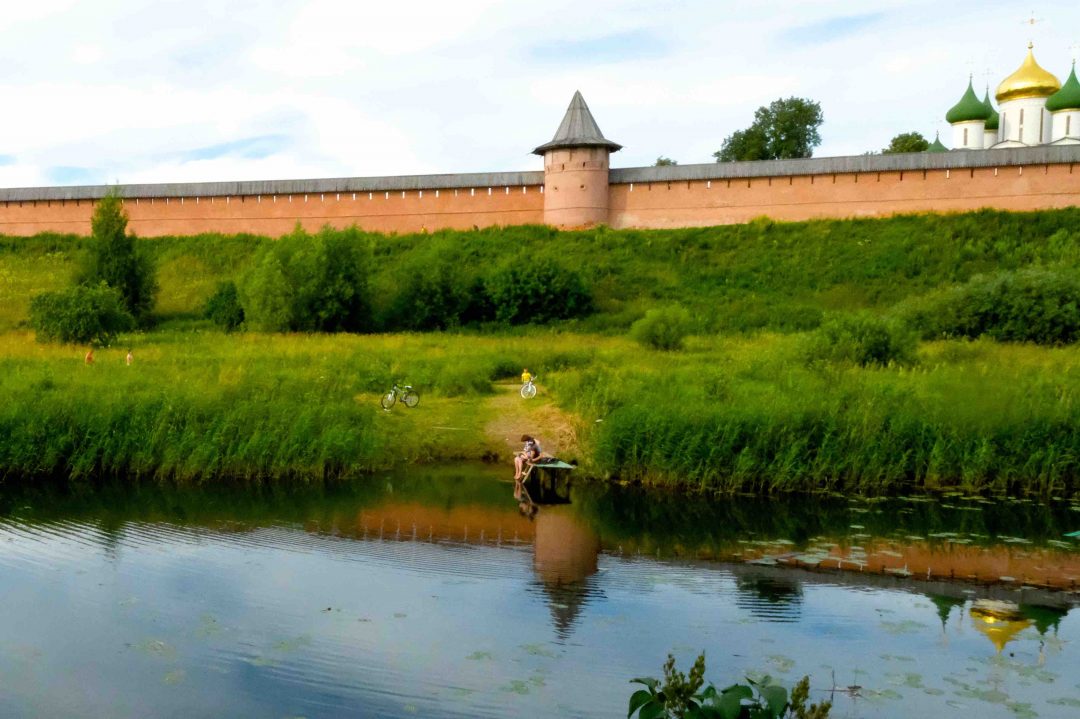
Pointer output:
528, 390
409, 397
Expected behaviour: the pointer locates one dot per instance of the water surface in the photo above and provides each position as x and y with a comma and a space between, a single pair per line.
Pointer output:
442, 594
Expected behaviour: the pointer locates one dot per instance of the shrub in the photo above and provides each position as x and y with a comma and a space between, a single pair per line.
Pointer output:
223, 307
862, 339
663, 328
436, 296
310, 283
115, 261
1033, 305
80, 314
537, 292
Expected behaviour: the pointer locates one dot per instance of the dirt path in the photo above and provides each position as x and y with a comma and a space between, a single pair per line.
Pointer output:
512, 416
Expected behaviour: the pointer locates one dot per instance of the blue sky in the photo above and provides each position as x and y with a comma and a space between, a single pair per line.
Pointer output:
129, 91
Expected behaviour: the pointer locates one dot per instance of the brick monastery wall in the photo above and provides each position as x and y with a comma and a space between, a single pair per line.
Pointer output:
649, 197
398, 204
870, 186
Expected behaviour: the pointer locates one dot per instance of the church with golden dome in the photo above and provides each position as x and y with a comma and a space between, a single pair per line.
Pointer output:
1034, 108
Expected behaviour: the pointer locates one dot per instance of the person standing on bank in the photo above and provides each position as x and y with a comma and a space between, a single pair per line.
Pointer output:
530, 453
89, 358
129, 359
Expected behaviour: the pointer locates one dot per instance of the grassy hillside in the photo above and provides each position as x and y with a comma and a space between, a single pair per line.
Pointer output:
777, 276
740, 408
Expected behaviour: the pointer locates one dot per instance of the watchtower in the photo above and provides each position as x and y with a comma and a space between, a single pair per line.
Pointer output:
576, 170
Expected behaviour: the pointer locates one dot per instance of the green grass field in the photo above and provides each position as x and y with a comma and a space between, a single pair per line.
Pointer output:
738, 409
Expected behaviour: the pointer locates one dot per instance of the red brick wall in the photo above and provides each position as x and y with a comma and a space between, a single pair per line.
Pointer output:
274, 215
719, 202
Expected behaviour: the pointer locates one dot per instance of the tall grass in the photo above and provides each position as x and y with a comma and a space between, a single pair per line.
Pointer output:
976, 416
199, 404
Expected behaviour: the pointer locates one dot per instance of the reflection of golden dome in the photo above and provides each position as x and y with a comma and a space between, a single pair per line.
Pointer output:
999, 621
1029, 81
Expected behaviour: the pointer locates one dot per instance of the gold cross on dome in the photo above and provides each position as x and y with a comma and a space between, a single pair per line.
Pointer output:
1032, 22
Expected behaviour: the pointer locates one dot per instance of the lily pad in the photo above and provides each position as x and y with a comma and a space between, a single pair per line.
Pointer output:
906, 626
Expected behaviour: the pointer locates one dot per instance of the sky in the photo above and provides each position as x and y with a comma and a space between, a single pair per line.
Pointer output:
123, 91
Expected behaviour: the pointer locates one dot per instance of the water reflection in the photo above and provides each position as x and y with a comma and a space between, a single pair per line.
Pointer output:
437, 595
771, 598
565, 547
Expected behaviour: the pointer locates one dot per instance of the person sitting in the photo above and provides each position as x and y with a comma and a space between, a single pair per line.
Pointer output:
530, 453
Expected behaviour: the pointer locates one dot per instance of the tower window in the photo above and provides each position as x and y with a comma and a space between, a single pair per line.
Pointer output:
965, 136
1042, 123
1068, 124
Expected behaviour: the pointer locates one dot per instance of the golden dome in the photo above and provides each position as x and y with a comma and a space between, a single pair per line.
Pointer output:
1028, 81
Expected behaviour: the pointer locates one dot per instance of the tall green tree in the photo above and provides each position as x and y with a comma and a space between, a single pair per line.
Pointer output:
907, 142
115, 260
665, 162
785, 129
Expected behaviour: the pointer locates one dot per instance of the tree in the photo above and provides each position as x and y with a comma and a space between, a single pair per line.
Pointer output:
787, 128
224, 308
310, 283
665, 162
537, 293
115, 260
907, 142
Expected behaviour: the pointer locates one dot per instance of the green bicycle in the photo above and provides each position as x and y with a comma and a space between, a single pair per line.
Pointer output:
408, 396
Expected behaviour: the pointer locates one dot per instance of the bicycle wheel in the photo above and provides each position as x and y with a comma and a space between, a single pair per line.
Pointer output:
410, 398
528, 391
388, 400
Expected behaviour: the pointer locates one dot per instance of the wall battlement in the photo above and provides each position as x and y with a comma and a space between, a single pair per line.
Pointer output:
644, 197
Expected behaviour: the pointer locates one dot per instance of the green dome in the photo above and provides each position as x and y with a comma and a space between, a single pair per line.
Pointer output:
969, 109
993, 120
936, 145
1068, 97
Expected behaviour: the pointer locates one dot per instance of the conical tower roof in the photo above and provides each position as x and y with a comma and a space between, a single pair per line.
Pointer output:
994, 121
1068, 97
936, 145
578, 129
970, 108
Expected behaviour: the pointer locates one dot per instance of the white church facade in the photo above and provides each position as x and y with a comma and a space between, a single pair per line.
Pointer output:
1034, 108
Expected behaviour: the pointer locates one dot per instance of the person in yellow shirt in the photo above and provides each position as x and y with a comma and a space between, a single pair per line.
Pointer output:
525, 376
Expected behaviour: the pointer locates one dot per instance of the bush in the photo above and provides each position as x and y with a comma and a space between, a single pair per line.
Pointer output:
1034, 305
81, 314
861, 339
536, 293
435, 296
662, 329
223, 308
114, 260
310, 283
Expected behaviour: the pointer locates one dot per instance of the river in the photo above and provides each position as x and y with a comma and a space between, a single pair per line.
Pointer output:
439, 593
